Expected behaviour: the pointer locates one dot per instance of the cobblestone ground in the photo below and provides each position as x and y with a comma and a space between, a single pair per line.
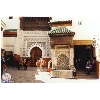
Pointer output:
34, 75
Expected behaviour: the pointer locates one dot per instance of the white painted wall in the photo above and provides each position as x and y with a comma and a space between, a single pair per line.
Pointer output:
9, 48
1, 39
9, 40
8, 43
11, 23
86, 31
3, 25
90, 26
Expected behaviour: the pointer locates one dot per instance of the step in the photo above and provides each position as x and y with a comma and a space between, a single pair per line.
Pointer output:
82, 74
86, 78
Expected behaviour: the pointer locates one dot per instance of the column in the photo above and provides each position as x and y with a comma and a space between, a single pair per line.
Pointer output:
52, 57
71, 56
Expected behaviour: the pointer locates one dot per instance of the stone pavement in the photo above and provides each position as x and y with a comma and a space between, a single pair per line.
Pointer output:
34, 75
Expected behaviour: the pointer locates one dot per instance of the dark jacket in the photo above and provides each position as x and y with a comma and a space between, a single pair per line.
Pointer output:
2, 61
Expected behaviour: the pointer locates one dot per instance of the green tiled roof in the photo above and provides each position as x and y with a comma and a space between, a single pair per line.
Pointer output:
60, 30
10, 30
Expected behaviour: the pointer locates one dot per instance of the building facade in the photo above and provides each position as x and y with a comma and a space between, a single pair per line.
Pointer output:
29, 37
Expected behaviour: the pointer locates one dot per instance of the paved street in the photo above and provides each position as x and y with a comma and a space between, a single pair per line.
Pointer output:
33, 75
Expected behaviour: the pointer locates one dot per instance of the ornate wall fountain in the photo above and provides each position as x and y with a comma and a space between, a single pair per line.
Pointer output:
61, 41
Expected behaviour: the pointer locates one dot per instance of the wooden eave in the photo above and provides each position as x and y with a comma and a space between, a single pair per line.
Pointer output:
9, 34
61, 23
35, 23
82, 42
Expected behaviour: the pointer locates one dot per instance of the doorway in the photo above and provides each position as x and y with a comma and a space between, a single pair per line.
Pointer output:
36, 54
84, 53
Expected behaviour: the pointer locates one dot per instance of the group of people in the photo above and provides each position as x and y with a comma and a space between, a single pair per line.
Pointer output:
9, 61
78, 64
90, 65
23, 63
41, 63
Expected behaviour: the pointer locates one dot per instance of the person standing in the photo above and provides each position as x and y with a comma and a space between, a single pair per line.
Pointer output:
20, 63
79, 61
25, 66
2, 64
88, 66
10, 62
93, 64
77, 64
7, 62
26, 63
41, 60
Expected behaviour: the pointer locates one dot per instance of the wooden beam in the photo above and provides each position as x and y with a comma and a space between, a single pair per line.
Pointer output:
61, 23
82, 42
56, 25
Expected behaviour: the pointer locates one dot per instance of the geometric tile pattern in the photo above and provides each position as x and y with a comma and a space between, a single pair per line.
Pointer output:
61, 30
62, 62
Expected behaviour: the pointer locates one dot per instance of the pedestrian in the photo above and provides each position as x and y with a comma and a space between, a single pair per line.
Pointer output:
20, 63
25, 64
77, 64
88, 67
2, 64
79, 61
41, 60
17, 64
37, 64
74, 71
10, 62
7, 61
93, 65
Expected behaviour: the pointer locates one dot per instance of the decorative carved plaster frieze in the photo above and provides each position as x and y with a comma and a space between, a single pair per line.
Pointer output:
40, 39
36, 33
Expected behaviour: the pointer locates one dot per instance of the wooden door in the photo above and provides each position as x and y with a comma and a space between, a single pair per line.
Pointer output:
36, 54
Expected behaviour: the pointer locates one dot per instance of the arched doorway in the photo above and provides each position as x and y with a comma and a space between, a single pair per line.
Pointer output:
36, 54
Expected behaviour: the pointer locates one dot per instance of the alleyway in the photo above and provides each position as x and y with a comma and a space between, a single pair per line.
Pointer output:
33, 75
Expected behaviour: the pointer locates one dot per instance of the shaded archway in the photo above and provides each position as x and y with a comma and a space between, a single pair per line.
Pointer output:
35, 54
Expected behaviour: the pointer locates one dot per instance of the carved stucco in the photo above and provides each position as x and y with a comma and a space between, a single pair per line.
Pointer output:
33, 39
